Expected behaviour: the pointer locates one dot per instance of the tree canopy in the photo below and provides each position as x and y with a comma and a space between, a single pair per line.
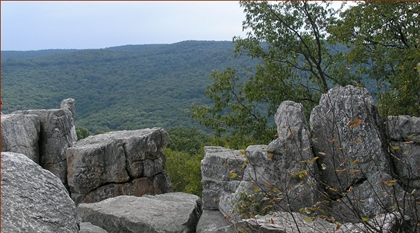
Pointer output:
305, 48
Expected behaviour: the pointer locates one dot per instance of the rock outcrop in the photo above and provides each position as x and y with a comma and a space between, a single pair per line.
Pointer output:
351, 168
404, 139
57, 133
222, 171
33, 199
118, 163
284, 222
20, 134
170, 212
214, 221
87, 227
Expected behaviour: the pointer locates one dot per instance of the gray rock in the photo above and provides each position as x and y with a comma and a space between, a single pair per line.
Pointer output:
69, 104
217, 169
404, 135
291, 166
170, 212
348, 136
371, 198
118, 163
214, 221
284, 222
87, 227
57, 134
403, 128
283, 171
34, 199
20, 134
406, 159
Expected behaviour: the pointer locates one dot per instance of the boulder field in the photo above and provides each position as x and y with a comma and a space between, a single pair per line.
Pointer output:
346, 170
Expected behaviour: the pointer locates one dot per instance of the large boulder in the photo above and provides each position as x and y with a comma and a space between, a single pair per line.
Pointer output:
404, 136
283, 171
118, 163
347, 131
170, 212
348, 137
20, 134
33, 199
290, 160
57, 134
222, 171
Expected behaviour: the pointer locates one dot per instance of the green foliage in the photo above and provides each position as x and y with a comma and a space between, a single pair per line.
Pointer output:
119, 88
384, 44
82, 133
183, 158
296, 63
300, 48
188, 140
184, 170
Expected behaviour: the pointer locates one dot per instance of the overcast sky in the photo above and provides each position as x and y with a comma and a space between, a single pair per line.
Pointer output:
84, 25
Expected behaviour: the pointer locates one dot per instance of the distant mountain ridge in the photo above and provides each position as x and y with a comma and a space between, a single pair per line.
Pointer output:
116, 88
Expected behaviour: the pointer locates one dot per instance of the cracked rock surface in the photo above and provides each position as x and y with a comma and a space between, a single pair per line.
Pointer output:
118, 163
169, 212
33, 199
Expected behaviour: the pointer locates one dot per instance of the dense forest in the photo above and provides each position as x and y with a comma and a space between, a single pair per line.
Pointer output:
125, 87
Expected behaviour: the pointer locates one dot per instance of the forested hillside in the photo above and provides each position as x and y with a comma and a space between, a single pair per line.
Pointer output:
126, 87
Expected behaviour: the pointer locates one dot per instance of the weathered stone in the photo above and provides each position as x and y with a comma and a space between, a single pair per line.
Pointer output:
283, 170
348, 137
284, 222
57, 134
34, 199
370, 198
404, 135
68, 104
403, 128
20, 134
214, 221
221, 171
87, 227
170, 212
118, 163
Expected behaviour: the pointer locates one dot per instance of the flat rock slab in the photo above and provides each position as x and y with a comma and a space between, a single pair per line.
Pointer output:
214, 221
87, 227
170, 212
33, 199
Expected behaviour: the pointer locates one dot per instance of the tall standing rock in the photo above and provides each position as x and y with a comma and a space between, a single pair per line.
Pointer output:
20, 134
293, 159
55, 137
118, 163
348, 131
282, 171
33, 199
348, 136
221, 171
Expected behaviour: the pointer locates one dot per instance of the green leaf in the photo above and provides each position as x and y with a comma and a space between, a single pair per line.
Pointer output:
309, 219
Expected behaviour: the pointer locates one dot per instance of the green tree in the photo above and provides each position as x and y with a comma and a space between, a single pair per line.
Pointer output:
384, 44
82, 133
297, 63
188, 140
184, 170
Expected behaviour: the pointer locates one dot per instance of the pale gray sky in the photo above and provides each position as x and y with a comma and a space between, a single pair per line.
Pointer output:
83, 25
35, 25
